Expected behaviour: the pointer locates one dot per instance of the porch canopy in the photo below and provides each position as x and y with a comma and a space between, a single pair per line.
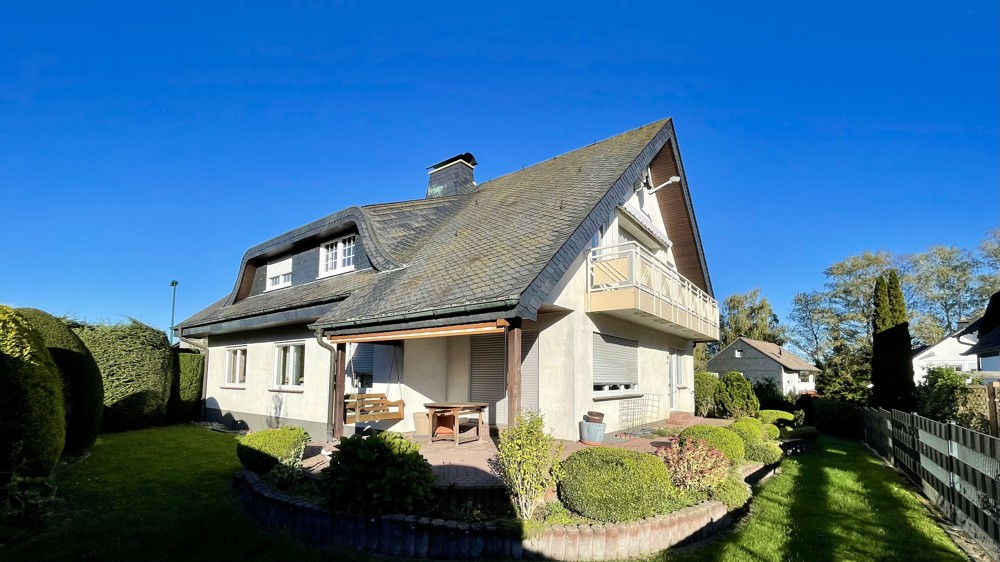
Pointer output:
511, 326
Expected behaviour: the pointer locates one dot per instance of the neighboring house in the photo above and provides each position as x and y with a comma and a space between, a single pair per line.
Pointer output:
948, 352
987, 348
766, 361
572, 285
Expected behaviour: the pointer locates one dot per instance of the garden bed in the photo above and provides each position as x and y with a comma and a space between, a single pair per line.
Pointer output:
423, 537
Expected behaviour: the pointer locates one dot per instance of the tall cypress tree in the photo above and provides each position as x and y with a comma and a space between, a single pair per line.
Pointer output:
901, 370
881, 322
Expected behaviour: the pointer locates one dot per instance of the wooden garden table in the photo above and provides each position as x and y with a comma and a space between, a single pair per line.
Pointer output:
436, 410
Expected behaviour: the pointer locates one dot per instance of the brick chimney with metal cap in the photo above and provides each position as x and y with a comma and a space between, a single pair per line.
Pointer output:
453, 176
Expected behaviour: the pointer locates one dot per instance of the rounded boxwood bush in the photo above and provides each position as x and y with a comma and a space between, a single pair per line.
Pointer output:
776, 416
749, 430
615, 485
261, 450
32, 415
767, 452
734, 397
719, 437
136, 364
732, 491
805, 432
83, 389
770, 431
379, 473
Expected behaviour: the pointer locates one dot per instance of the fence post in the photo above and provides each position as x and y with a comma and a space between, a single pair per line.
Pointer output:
952, 477
991, 407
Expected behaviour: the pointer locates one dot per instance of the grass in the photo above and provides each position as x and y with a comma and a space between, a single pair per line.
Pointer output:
156, 494
837, 503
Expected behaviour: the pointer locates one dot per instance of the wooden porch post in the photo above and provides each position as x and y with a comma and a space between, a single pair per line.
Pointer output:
338, 391
513, 370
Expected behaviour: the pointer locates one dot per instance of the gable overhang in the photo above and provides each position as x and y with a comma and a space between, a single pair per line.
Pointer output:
539, 291
420, 320
477, 328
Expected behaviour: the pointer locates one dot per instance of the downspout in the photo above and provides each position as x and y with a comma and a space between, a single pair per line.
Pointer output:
203, 348
332, 378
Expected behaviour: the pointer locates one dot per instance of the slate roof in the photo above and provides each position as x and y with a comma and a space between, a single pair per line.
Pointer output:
988, 329
497, 251
782, 356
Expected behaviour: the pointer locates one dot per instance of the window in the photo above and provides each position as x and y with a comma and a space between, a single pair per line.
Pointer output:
236, 365
337, 256
739, 353
279, 274
289, 360
616, 365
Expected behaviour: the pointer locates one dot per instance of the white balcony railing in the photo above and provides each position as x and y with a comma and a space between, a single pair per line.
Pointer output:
630, 266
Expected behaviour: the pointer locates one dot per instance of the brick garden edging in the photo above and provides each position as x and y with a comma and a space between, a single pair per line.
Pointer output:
422, 537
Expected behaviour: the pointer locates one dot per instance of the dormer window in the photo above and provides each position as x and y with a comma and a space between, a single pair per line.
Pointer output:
337, 256
279, 274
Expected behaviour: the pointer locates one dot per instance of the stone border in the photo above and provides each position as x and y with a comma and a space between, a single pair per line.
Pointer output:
422, 537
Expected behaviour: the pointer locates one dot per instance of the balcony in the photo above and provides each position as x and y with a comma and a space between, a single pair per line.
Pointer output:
629, 282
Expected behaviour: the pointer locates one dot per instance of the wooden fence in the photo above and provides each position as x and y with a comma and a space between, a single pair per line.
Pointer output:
955, 467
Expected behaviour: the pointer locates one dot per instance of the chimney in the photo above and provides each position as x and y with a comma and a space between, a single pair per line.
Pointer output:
452, 176
963, 323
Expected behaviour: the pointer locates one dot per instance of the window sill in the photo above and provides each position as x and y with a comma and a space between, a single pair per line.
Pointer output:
288, 389
277, 287
606, 397
233, 387
334, 272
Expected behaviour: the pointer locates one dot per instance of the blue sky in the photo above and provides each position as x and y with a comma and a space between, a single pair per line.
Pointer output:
144, 142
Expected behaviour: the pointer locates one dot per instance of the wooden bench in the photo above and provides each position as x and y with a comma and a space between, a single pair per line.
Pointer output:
371, 407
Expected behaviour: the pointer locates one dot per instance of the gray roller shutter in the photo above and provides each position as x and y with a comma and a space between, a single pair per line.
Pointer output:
616, 361
363, 360
488, 381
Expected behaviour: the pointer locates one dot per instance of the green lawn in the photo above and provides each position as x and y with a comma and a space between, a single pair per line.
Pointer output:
156, 494
837, 503
165, 494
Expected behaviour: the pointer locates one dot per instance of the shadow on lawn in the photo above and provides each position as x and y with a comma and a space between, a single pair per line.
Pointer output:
810, 502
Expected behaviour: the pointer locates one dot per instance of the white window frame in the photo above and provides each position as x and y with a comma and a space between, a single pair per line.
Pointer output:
279, 275
337, 249
236, 367
297, 359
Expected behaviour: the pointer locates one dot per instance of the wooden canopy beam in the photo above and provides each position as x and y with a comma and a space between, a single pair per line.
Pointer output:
513, 370
439, 332
338, 391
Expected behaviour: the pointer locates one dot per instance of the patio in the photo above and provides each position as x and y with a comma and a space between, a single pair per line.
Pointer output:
467, 465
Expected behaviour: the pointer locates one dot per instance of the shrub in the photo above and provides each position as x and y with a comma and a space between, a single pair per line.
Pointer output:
32, 416
732, 491
615, 485
767, 452
943, 395
836, 417
727, 442
704, 393
799, 418
749, 430
805, 432
526, 463
770, 397
693, 464
83, 389
777, 417
379, 473
137, 366
734, 397
261, 450
189, 375
770, 431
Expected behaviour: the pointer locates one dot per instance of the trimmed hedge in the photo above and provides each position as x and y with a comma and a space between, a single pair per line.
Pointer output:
137, 367
32, 415
615, 485
770, 431
749, 430
728, 442
767, 452
185, 396
83, 389
261, 450
807, 432
774, 416
704, 393
379, 473
734, 397
836, 417
732, 491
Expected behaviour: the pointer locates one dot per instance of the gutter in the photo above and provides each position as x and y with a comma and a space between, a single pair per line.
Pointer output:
333, 381
424, 314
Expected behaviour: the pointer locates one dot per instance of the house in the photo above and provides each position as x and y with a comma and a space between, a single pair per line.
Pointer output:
948, 352
572, 285
987, 348
765, 361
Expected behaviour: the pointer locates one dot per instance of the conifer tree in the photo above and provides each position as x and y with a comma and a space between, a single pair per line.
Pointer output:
881, 322
892, 365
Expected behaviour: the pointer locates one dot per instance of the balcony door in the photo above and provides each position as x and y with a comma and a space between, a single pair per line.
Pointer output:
676, 376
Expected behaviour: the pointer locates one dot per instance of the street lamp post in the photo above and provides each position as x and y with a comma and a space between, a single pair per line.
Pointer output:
173, 304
